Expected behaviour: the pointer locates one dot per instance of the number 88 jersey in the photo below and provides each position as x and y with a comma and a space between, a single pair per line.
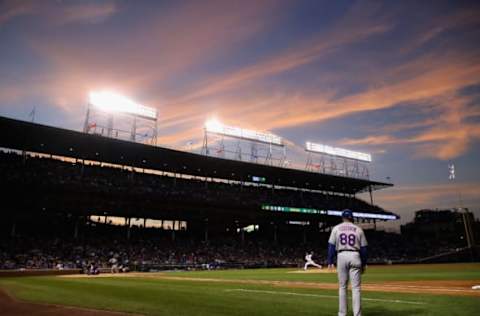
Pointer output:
347, 236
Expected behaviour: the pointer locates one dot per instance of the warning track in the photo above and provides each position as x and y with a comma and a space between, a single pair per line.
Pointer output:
10, 306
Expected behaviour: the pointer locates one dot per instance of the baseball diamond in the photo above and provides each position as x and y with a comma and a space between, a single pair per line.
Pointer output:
435, 289
226, 248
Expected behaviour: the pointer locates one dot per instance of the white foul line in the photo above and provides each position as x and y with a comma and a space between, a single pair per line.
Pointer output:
323, 296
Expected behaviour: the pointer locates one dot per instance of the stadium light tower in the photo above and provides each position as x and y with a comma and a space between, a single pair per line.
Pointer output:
336, 160
113, 115
466, 215
111, 102
451, 172
262, 144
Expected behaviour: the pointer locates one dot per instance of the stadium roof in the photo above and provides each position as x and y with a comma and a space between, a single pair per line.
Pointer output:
21, 135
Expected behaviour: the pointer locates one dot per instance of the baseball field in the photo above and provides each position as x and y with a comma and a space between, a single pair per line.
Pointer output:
387, 290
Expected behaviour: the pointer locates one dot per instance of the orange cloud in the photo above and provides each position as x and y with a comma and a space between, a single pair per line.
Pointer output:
425, 78
161, 46
355, 26
405, 199
409, 85
446, 195
446, 135
87, 12
180, 39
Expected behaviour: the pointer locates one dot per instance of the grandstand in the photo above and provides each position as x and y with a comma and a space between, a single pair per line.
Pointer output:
81, 180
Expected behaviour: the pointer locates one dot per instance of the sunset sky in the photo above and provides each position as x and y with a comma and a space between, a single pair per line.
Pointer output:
399, 79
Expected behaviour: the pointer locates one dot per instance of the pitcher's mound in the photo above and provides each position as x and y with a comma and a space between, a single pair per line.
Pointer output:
314, 271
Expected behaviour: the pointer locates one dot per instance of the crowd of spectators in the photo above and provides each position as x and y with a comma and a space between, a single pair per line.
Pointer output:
156, 250
106, 247
52, 175
141, 254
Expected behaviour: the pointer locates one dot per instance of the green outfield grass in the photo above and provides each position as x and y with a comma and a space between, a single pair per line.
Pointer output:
461, 271
151, 296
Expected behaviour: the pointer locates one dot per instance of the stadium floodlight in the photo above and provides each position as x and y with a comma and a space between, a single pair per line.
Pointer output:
339, 152
214, 126
111, 102
451, 172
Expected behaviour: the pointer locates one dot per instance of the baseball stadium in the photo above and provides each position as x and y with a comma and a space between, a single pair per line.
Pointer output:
100, 225
239, 158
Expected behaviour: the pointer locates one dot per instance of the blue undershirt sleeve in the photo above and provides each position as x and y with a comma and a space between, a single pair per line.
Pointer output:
331, 253
363, 255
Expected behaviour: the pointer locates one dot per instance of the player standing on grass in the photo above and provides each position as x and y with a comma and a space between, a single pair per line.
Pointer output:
348, 241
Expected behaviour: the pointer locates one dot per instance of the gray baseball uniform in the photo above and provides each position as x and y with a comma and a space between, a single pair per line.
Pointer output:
348, 240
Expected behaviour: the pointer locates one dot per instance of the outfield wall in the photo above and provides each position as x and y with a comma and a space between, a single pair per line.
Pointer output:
37, 272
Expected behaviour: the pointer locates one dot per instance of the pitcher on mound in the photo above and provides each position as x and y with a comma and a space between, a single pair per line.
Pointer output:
310, 262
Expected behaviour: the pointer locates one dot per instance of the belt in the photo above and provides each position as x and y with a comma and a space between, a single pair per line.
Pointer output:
348, 250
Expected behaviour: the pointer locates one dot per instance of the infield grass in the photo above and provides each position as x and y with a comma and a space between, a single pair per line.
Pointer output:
150, 296
461, 271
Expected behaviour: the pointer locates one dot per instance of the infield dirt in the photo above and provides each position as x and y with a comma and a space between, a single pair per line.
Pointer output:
10, 306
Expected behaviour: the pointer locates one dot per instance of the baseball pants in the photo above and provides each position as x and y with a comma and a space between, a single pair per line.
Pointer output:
349, 267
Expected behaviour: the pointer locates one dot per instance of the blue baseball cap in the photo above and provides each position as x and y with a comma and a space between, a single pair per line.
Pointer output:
347, 214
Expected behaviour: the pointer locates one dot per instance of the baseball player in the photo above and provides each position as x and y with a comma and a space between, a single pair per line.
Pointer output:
348, 241
114, 263
310, 262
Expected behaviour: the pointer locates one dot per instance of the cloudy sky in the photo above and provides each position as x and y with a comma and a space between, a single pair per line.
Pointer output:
399, 79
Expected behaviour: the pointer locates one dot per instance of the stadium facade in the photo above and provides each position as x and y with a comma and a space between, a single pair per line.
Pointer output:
54, 170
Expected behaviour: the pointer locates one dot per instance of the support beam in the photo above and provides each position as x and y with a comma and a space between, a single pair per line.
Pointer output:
371, 194
75, 230
14, 229
128, 228
206, 231
275, 233
468, 230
